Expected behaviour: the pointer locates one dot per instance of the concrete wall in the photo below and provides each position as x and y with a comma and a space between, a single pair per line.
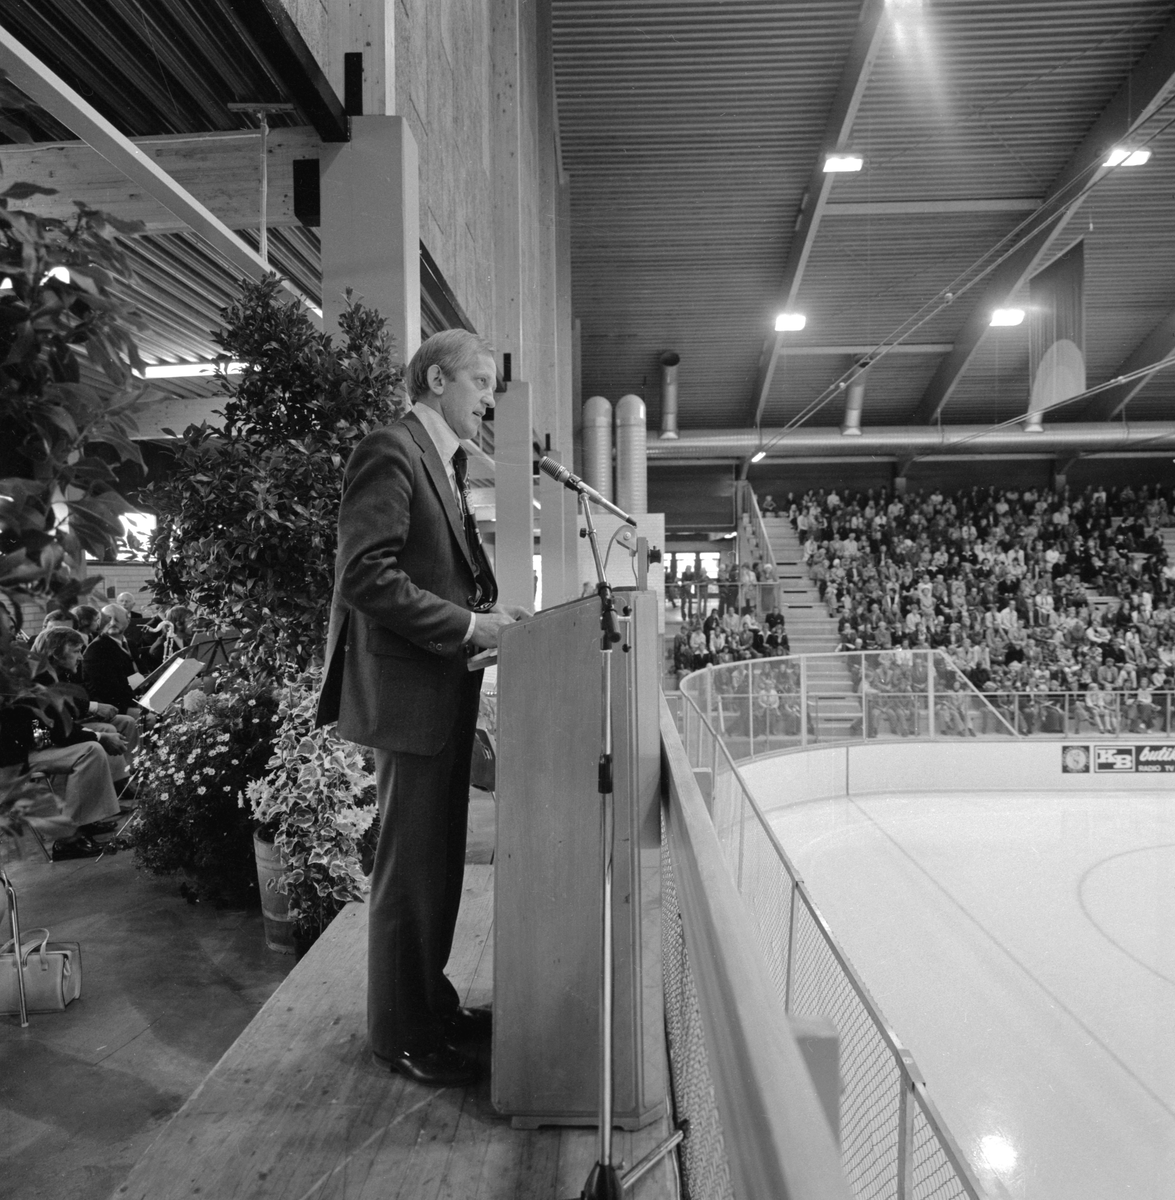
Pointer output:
443, 90
946, 766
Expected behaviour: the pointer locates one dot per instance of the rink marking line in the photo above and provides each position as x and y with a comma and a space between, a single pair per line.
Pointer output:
999, 944
1093, 920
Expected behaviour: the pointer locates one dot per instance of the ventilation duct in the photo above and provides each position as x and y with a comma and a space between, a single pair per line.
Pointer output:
855, 402
902, 441
632, 472
597, 445
669, 361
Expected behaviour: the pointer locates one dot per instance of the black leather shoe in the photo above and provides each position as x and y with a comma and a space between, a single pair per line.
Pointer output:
468, 1025
75, 847
440, 1067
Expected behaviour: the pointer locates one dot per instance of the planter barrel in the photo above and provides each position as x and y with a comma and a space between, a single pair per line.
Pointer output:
279, 929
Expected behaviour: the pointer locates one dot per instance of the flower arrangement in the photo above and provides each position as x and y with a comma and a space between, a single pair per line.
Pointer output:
195, 764
316, 802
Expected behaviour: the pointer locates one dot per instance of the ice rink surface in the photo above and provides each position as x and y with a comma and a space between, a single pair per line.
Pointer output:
1022, 946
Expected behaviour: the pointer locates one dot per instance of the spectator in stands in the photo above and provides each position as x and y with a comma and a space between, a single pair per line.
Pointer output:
767, 507
62, 650
173, 633
59, 618
136, 634
108, 667
86, 621
76, 764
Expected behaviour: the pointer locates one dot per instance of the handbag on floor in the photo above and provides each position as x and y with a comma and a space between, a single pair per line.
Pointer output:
52, 973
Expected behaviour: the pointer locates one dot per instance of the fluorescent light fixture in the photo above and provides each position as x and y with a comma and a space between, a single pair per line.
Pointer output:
1120, 156
1007, 316
835, 163
759, 457
790, 322
186, 370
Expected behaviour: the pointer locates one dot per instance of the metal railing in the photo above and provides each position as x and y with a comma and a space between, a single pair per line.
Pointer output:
755, 1125
763, 705
893, 1142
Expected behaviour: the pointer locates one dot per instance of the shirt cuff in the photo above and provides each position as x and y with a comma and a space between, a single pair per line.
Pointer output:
469, 632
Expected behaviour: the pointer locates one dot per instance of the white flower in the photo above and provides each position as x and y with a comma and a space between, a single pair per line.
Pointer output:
201, 790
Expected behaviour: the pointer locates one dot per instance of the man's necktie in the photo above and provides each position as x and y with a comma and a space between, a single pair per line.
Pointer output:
485, 586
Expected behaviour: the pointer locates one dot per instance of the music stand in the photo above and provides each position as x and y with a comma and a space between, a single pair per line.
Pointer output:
213, 651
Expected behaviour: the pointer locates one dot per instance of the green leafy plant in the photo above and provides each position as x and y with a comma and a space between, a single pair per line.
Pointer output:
66, 388
247, 516
195, 764
316, 803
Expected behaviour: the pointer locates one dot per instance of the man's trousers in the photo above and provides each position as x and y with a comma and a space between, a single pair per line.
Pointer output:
416, 886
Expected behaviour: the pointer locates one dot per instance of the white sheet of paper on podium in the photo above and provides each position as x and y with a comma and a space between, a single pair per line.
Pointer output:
171, 684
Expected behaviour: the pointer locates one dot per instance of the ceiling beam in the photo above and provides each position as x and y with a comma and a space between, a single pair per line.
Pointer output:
1136, 101
220, 170
790, 351
297, 69
863, 53
1155, 350
931, 208
53, 94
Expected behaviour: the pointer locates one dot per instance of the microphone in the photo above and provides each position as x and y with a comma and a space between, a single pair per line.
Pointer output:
573, 483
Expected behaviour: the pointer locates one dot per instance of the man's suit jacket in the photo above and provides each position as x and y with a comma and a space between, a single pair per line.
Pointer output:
404, 582
105, 668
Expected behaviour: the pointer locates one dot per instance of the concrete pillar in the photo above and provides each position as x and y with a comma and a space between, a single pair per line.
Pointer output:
371, 226
514, 491
557, 523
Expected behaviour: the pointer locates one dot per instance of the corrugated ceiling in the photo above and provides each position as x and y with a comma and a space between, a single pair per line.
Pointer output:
690, 130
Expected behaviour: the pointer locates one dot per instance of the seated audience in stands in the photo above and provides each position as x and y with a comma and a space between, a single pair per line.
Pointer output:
1032, 591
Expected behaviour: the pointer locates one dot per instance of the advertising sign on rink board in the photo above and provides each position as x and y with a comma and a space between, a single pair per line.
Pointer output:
1119, 759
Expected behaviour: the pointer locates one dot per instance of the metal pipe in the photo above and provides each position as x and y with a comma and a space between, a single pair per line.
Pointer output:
897, 441
669, 361
632, 474
855, 403
597, 445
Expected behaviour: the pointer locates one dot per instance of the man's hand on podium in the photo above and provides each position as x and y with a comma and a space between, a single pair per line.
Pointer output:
488, 626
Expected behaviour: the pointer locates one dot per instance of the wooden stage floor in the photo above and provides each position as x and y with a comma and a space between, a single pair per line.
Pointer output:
295, 1110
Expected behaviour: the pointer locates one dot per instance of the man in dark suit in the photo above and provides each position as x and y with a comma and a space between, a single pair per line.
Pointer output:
414, 597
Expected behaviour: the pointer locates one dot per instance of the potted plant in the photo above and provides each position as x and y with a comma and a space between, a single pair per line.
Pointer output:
194, 765
314, 809
247, 532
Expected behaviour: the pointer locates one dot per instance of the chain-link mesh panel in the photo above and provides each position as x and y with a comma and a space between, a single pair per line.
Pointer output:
934, 1175
871, 1077
705, 1169
765, 887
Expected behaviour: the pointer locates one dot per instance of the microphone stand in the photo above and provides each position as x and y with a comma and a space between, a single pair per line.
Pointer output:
603, 1183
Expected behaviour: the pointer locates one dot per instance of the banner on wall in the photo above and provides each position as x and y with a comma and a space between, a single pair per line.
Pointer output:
1118, 759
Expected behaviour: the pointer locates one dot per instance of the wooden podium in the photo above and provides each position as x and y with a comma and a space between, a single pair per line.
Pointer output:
547, 869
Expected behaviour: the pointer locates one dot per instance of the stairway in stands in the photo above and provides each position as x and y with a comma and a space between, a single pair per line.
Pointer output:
811, 630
